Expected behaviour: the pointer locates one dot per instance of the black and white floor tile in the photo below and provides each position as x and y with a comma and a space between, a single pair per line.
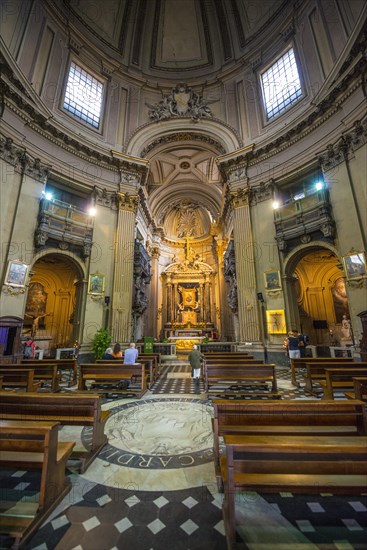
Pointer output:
105, 512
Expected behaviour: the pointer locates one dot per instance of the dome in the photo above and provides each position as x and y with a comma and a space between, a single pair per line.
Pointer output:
166, 39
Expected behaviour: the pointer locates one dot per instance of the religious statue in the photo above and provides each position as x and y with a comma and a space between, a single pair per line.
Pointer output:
35, 323
346, 331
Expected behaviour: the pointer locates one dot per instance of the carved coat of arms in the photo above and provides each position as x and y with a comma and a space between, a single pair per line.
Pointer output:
183, 101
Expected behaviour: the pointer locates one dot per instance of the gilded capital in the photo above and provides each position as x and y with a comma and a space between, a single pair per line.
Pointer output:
239, 198
128, 202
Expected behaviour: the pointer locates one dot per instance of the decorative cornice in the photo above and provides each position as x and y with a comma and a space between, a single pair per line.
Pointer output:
240, 198
262, 192
128, 203
339, 152
22, 161
105, 198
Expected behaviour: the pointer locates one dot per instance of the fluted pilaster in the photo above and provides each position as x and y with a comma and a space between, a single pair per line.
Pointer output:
249, 324
123, 268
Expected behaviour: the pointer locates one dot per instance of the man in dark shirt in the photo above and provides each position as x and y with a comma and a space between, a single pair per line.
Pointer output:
195, 358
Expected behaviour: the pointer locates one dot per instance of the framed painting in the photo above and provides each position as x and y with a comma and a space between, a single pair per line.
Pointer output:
96, 284
355, 265
275, 321
16, 273
272, 280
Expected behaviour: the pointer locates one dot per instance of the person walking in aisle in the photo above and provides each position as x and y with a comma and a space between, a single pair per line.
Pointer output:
195, 358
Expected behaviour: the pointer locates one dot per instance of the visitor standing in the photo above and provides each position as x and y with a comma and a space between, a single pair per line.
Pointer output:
293, 344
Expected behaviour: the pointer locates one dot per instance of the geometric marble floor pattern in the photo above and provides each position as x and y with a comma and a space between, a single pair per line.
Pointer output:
155, 489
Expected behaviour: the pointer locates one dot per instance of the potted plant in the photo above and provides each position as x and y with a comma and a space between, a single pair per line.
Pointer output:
101, 341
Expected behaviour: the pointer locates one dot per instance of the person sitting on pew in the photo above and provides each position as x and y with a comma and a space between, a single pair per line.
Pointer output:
116, 352
130, 354
108, 354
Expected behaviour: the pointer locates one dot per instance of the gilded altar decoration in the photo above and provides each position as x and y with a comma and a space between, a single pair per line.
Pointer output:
188, 296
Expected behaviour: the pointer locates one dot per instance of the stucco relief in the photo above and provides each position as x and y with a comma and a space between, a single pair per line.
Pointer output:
181, 102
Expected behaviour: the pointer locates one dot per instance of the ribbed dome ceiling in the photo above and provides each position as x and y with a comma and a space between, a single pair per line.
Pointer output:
172, 38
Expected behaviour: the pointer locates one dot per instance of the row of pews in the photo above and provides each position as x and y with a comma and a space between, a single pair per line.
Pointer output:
305, 446
239, 375
327, 376
29, 428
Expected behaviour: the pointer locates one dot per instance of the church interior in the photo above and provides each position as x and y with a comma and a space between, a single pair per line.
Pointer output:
180, 173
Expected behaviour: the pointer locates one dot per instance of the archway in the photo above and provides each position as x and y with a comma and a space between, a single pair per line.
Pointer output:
184, 194
320, 294
52, 311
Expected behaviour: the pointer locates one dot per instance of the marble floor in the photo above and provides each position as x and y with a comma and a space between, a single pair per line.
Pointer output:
153, 486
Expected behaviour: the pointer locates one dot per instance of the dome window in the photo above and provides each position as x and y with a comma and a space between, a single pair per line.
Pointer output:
83, 96
281, 85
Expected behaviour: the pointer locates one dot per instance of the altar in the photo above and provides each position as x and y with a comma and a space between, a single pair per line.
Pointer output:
185, 343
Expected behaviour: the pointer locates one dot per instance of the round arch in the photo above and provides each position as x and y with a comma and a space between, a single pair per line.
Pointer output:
210, 131
317, 300
55, 298
293, 258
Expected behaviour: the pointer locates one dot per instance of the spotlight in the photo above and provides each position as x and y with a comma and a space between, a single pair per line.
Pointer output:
319, 185
48, 196
92, 211
276, 205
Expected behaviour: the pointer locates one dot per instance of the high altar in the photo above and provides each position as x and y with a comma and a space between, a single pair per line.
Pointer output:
188, 300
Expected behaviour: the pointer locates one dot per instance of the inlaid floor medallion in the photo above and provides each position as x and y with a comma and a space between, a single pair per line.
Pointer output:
158, 434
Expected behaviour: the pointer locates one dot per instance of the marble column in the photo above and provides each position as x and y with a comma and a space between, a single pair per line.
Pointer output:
207, 302
248, 316
153, 301
169, 301
201, 299
222, 314
123, 268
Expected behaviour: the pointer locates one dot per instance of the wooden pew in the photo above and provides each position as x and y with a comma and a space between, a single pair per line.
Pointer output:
69, 409
340, 380
155, 356
306, 417
111, 375
33, 445
149, 365
301, 364
224, 362
360, 389
42, 373
70, 365
227, 355
316, 372
237, 376
18, 378
297, 464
